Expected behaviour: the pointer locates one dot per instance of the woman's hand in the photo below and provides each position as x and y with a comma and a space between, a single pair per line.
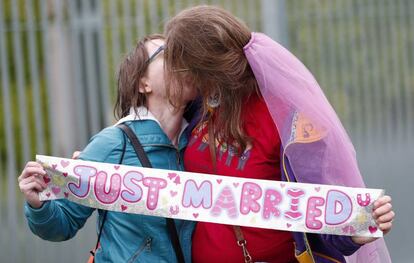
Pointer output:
76, 154
383, 215
31, 183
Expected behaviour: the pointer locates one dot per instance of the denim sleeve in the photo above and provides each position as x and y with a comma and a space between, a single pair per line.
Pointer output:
59, 220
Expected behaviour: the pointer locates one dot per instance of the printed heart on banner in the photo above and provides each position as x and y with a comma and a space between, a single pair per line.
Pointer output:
173, 193
372, 229
317, 189
56, 190
195, 215
48, 194
116, 167
288, 225
46, 179
282, 185
236, 184
66, 194
65, 174
64, 163
123, 207
219, 181
171, 175
345, 229
177, 180
54, 166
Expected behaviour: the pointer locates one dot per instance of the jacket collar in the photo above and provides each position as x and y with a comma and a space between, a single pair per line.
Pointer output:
143, 113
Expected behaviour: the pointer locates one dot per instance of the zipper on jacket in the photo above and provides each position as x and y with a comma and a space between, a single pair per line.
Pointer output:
177, 151
146, 245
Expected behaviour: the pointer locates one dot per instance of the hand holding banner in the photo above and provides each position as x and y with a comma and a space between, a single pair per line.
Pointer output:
279, 205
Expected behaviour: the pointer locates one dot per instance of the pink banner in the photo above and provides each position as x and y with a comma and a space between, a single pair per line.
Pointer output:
229, 200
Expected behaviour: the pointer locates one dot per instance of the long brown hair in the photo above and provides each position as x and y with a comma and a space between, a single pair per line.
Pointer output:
132, 68
204, 47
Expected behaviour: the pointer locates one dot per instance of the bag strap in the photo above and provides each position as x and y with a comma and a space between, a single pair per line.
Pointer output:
139, 150
241, 242
174, 240
145, 162
105, 212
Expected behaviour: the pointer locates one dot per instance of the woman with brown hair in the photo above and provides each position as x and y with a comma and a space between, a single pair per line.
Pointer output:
142, 105
263, 116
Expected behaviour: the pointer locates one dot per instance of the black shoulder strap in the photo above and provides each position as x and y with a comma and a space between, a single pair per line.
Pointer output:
105, 212
136, 144
146, 163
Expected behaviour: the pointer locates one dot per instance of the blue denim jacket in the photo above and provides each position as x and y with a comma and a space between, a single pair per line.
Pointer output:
126, 237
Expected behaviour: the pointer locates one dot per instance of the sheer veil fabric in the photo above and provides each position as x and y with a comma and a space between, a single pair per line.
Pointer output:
313, 138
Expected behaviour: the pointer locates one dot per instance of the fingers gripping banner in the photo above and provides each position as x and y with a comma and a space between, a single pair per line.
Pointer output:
279, 205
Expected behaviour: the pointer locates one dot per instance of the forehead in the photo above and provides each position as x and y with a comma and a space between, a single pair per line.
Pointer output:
153, 45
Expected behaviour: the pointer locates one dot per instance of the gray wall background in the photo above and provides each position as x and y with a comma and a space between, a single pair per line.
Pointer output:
58, 60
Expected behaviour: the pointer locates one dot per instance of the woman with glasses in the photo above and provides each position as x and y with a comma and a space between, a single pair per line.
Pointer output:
264, 117
143, 105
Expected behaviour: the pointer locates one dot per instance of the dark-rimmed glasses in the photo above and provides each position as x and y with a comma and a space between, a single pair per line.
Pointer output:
152, 57
162, 48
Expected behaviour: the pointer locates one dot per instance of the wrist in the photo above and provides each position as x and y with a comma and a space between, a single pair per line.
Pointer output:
362, 240
35, 204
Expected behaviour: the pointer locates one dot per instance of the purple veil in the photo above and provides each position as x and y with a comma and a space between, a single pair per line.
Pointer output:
314, 140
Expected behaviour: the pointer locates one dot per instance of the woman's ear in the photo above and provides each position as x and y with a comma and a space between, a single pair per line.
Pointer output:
144, 86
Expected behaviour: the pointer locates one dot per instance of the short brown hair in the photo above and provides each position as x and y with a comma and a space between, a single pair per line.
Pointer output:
208, 42
132, 68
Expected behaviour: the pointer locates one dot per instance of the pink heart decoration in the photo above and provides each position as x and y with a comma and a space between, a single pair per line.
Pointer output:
345, 229
317, 189
56, 190
288, 225
66, 194
219, 181
282, 185
173, 193
46, 179
64, 163
177, 180
195, 215
116, 167
47, 194
123, 207
171, 175
372, 229
54, 166
65, 174
236, 184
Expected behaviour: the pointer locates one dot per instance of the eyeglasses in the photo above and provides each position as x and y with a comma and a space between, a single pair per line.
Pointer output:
180, 70
152, 57
162, 48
